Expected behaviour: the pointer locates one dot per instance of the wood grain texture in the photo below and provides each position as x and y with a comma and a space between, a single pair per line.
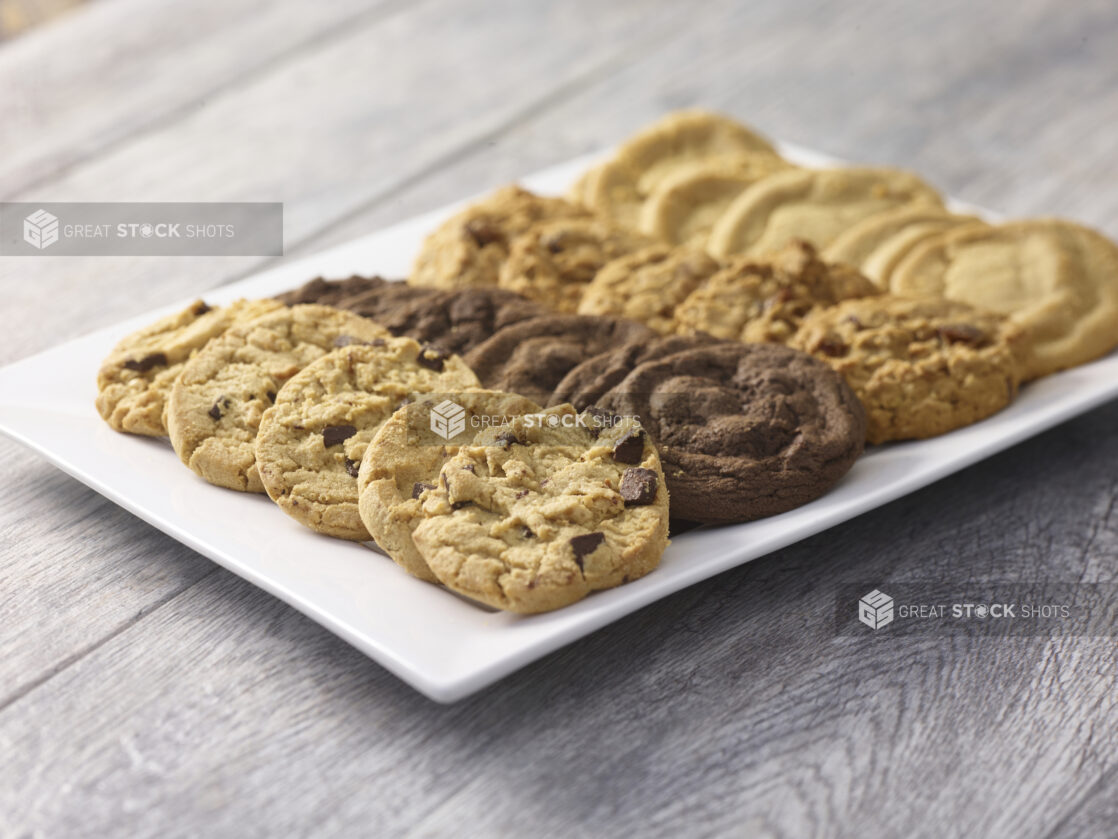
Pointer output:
144, 692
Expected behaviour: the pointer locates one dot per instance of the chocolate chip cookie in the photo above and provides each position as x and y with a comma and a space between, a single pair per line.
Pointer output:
468, 249
135, 381
311, 442
920, 367
533, 356
744, 430
407, 455
216, 404
553, 261
535, 515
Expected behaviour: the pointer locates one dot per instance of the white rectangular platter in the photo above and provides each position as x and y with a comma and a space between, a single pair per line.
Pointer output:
440, 644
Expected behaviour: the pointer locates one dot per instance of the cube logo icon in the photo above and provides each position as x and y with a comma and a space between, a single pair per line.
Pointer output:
875, 610
40, 229
448, 419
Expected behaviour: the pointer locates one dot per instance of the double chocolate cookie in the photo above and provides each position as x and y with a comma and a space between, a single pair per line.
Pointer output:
533, 356
587, 383
744, 430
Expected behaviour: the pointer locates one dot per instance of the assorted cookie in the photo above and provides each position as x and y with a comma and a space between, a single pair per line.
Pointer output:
311, 442
717, 333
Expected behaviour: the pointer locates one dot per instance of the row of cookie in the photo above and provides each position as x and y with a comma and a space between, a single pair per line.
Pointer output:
321, 409
705, 180
723, 463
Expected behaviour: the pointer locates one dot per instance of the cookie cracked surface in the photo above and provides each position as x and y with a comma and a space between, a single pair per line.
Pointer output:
920, 367
536, 515
217, 403
406, 456
310, 444
135, 380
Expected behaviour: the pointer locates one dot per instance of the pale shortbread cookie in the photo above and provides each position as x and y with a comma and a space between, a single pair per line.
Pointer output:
815, 205
223, 391
685, 205
311, 442
921, 367
553, 261
535, 515
1056, 279
875, 245
468, 249
752, 300
135, 380
407, 455
647, 285
617, 188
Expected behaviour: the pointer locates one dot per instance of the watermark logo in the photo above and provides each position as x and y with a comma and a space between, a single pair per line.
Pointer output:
875, 610
448, 419
40, 229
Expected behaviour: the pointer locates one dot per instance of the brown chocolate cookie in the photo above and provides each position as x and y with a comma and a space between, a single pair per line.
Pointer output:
370, 297
533, 356
588, 382
459, 320
744, 430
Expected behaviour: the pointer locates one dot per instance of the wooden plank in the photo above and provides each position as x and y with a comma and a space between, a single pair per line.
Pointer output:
118, 68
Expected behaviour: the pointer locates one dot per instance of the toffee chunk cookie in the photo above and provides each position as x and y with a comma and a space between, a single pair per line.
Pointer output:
1056, 279
920, 367
686, 204
587, 383
554, 261
215, 406
877, 244
617, 188
406, 457
816, 205
135, 381
533, 356
468, 249
311, 442
753, 300
537, 514
743, 430
647, 286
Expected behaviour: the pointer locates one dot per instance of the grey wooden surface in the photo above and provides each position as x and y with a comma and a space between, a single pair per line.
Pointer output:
146, 692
